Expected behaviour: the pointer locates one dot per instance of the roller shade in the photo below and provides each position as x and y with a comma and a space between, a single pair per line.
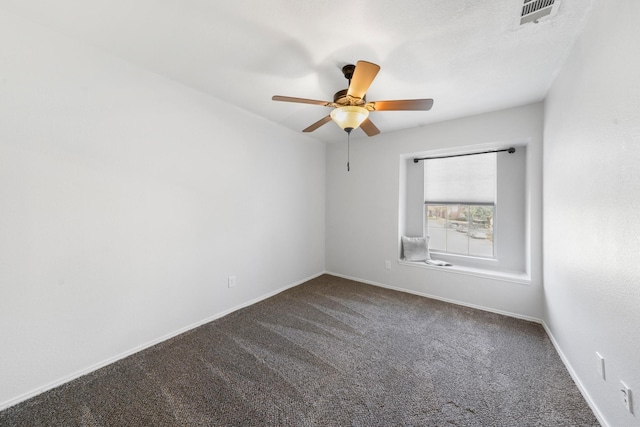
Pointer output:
470, 179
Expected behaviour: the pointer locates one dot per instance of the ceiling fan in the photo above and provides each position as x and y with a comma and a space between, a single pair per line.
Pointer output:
350, 107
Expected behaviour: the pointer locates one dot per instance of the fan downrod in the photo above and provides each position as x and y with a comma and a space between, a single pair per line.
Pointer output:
348, 70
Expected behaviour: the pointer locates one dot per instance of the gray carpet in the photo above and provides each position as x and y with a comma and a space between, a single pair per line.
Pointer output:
330, 352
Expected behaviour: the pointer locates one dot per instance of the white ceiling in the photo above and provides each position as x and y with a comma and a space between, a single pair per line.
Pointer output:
468, 55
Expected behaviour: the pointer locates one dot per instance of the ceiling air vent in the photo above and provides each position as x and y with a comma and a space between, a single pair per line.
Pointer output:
533, 10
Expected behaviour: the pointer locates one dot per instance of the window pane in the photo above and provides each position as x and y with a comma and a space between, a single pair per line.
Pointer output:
436, 218
460, 229
481, 231
457, 226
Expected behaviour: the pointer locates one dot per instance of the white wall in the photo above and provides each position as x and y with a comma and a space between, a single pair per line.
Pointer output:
363, 209
592, 206
125, 202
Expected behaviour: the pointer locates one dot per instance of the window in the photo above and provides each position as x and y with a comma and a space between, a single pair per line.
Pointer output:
460, 204
475, 209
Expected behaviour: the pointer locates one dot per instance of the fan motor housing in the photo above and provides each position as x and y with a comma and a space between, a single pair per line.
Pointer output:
341, 98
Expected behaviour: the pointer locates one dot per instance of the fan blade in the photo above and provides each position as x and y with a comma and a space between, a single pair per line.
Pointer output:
402, 104
302, 100
317, 124
362, 78
369, 128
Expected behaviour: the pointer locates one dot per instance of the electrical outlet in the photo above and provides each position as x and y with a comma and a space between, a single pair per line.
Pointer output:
600, 366
626, 396
387, 265
231, 281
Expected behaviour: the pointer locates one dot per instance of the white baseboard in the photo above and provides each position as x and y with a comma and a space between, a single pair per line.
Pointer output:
575, 377
452, 301
95, 367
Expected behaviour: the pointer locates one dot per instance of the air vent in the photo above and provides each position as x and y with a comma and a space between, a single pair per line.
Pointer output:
533, 10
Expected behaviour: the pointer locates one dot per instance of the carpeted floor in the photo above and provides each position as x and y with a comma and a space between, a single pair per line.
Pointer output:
330, 352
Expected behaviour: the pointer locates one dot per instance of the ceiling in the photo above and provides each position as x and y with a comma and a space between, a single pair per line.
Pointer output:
470, 56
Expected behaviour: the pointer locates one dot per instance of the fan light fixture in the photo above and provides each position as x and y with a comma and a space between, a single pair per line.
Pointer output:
349, 117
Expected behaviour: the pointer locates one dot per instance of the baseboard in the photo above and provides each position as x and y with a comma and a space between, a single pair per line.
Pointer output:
439, 298
95, 367
575, 377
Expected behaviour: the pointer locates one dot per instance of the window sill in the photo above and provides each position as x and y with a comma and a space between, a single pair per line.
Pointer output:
513, 277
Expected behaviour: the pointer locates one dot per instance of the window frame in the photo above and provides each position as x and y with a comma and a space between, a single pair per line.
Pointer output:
512, 221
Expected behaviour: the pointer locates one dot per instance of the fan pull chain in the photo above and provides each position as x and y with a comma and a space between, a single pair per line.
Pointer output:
348, 149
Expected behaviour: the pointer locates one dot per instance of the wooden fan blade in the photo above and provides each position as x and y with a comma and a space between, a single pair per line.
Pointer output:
362, 78
302, 100
317, 124
369, 128
401, 104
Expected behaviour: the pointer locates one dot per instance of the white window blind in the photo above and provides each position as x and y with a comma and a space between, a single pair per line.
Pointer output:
468, 179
